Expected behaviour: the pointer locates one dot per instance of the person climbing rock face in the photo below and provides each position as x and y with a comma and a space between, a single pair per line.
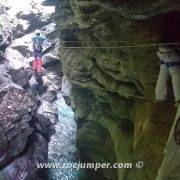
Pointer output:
169, 65
34, 6
3, 45
38, 48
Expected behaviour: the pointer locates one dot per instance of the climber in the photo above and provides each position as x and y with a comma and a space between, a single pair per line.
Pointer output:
34, 6
38, 48
169, 65
3, 45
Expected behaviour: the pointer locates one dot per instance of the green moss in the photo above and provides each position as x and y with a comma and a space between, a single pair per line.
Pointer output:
114, 122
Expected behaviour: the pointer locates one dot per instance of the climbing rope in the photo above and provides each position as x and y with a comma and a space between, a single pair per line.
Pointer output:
104, 89
140, 40
117, 47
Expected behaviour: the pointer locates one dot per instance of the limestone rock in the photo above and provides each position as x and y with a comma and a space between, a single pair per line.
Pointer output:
24, 132
48, 110
21, 76
25, 166
17, 110
109, 56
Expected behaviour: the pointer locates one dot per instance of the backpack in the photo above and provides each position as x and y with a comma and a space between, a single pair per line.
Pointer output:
37, 44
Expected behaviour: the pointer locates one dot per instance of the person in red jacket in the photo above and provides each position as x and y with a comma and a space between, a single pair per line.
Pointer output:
38, 48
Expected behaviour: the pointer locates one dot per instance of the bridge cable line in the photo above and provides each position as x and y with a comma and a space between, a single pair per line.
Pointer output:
104, 89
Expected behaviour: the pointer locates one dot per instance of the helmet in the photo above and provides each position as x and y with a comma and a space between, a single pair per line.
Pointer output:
38, 32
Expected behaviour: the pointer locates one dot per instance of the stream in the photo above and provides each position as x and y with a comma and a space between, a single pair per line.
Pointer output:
62, 147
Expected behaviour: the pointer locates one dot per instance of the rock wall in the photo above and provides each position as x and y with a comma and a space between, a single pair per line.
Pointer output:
108, 49
171, 163
27, 112
25, 131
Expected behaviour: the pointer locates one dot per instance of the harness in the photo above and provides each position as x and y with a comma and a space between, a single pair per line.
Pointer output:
170, 64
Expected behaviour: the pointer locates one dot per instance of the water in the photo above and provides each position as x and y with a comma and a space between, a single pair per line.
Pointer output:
62, 147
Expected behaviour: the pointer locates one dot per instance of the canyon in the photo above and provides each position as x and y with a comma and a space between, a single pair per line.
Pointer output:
102, 56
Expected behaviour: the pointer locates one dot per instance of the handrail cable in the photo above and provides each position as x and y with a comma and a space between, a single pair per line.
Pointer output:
116, 47
110, 90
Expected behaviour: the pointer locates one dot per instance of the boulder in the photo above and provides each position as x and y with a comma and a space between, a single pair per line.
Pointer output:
49, 61
35, 20
16, 112
44, 126
21, 76
25, 166
49, 110
49, 96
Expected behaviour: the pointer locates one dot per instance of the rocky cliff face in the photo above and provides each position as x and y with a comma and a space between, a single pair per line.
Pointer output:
27, 117
109, 56
25, 130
